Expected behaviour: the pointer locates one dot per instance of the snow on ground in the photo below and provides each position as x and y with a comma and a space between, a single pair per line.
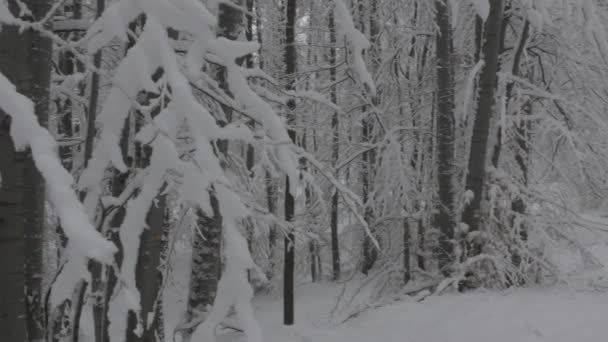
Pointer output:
524, 315
559, 314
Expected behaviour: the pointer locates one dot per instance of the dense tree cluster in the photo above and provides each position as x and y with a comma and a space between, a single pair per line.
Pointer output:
398, 145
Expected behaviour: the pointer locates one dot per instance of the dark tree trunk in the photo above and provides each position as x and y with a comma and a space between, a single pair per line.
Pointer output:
104, 278
314, 272
249, 32
271, 200
94, 95
158, 325
289, 242
407, 269
444, 218
206, 251
515, 70
407, 241
64, 323
481, 128
68, 65
94, 267
335, 152
147, 276
250, 150
370, 252
25, 59
522, 132
206, 265
152, 245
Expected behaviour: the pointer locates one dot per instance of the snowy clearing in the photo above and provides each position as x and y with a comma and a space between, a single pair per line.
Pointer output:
556, 315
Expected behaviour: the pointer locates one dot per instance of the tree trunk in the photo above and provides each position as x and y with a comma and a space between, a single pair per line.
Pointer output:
147, 276
25, 59
64, 322
206, 264
515, 70
312, 249
104, 279
370, 252
271, 201
481, 128
206, 248
289, 242
250, 150
418, 160
444, 218
335, 151
271, 191
517, 205
94, 95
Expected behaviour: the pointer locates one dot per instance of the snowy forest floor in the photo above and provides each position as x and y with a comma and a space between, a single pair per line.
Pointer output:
573, 313
525, 315
522, 315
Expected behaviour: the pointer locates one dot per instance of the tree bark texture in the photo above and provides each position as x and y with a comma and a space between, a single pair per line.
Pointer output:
444, 218
481, 128
335, 152
25, 59
290, 58
206, 249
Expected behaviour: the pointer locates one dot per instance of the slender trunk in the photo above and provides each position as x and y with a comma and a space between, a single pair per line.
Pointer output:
407, 269
25, 61
93, 96
481, 128
314, 276
335, 152
250, 151
271, 202
418, 160
290, 70
370, 253
249, 32
158, 324
427, 172
444, 218
515, 70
